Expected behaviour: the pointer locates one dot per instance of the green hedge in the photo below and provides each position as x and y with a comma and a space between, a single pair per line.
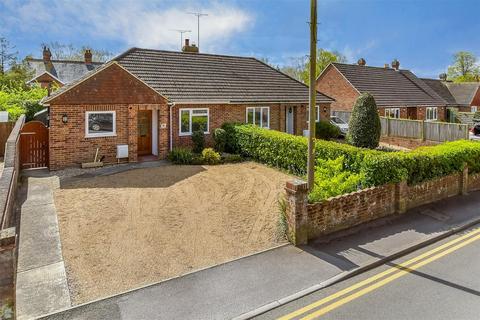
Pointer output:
376, 168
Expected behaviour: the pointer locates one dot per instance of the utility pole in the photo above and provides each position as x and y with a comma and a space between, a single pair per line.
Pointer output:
312, 93
198, 14
181, 31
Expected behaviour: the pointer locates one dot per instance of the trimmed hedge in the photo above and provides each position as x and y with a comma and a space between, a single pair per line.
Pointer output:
376, 168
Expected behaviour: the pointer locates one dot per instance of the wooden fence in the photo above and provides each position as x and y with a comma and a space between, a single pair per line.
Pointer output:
5, 129
416, 129
424, 130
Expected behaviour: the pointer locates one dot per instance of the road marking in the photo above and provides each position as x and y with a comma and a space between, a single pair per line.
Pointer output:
391, 278
376, 277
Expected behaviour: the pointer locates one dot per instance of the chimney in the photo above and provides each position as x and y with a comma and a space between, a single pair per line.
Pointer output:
88, 56
189, 48
443, 76
395, 64
386, 66
47, 55
361, 62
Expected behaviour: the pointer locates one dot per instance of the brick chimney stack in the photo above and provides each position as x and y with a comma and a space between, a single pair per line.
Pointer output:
443, 76
88, 56
47, 55
189, 48
396, 64
361, 62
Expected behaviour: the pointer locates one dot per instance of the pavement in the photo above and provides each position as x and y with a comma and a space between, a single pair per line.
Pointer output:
440, 283
41, 282
249, 286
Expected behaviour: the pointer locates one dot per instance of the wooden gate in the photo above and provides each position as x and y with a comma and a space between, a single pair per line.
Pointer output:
34, 145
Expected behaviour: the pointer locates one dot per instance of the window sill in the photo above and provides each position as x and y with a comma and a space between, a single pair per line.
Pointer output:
101, 135
189, 134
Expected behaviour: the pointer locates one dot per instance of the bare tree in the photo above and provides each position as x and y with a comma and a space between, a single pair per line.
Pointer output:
7, 55
62, 51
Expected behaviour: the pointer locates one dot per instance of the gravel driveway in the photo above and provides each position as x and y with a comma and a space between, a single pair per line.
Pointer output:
141, 226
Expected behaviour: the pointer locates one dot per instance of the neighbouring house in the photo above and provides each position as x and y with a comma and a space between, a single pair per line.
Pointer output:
145, 102
464, 96
51, 74
397, 92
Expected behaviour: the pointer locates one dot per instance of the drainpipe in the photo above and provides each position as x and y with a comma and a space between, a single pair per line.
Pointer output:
170, 125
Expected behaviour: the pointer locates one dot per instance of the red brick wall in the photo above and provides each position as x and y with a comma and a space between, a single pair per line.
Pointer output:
69, 146
474, 182
433, 190
334, 85
348, 210
476, 99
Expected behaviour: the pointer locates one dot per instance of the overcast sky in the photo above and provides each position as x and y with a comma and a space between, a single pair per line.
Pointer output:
422, 34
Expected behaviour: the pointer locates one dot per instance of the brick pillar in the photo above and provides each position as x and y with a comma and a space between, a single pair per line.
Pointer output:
464, 181
297, 216
132, 133
401, 197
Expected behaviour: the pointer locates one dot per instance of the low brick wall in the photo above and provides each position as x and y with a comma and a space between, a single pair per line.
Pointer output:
408, 143
308, 221
9, 176
351, 209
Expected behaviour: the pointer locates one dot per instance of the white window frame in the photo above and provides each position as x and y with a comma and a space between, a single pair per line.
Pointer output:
394, 111
99, 135
434, 111
189, 133
474, 108
261, 119
317, 114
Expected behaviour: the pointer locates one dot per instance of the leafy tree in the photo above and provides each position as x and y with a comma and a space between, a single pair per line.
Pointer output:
324, 58
364, 127
7, 56
62, 51
464, 67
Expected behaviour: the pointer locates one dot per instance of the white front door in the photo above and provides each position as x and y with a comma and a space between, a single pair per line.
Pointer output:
289, 120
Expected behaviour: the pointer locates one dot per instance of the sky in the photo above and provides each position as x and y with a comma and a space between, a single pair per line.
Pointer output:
423, 35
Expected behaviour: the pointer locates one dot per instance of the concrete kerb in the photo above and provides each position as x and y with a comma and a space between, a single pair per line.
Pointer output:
349, 274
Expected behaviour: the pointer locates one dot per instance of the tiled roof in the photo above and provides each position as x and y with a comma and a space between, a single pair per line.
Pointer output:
64, 70
190, 77
390, 87
442, 90
463, 92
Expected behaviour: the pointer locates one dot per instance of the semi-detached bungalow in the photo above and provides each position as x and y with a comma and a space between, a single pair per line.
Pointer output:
397, 92
145, 102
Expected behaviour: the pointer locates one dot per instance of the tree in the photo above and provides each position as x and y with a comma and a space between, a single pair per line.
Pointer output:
7, 56
295, 68
464, 67
364, 127
324, 58
70, 52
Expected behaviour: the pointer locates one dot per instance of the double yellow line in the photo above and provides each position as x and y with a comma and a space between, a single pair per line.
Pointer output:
395, 273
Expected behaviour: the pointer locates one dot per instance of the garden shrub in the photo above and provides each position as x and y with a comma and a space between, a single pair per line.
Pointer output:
326, 131
210, 156
231, 145
181, 156
231, 158
331, 179
375, 168
220, 138
198, 139
364, 128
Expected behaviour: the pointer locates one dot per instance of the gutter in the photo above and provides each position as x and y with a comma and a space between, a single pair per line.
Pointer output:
170, 125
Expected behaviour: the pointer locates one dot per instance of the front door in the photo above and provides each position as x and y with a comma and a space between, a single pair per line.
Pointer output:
289, 120
144, 132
